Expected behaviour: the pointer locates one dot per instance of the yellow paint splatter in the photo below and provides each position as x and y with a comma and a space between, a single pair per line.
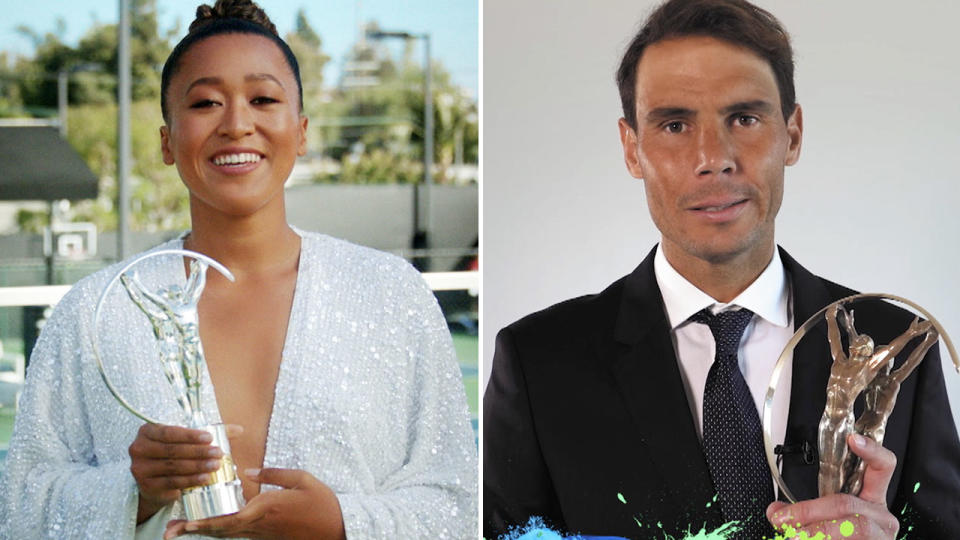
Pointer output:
791, 533
846, 529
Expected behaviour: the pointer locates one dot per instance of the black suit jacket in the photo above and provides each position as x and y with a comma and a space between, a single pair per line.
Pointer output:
586, 405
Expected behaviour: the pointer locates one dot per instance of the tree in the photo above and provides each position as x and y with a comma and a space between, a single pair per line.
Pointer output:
307, 47
158, 199
455, 120
368, 120
97, 51
11, 103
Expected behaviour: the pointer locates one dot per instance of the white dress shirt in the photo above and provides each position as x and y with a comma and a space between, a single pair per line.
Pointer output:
768, 297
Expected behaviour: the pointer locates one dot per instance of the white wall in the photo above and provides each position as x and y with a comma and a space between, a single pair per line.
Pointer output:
874, 202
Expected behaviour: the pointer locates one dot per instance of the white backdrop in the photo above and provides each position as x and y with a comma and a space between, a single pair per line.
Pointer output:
873, 202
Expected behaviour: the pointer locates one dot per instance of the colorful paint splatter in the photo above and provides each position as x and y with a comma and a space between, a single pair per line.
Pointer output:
536, 529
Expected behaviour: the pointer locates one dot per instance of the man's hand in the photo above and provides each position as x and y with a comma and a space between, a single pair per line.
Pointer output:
306, 508
166, 459
846, 516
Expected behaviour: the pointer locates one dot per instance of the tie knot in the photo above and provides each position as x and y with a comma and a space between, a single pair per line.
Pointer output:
727, 327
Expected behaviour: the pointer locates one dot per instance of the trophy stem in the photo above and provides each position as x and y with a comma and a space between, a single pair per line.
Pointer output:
223, 494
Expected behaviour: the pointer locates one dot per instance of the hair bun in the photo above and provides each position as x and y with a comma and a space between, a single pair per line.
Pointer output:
245, 10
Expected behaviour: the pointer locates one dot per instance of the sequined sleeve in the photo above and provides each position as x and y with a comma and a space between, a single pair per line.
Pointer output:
55, 485
434, 493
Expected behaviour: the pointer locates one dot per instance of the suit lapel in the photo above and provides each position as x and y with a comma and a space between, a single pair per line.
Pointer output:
648, 378
647, 375
811, 372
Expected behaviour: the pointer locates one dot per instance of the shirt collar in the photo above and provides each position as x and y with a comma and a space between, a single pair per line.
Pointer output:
768, 295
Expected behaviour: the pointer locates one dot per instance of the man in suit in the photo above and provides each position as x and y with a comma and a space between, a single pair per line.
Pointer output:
610, 414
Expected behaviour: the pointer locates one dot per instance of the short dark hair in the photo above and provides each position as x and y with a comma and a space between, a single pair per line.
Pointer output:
735, 21
226, 17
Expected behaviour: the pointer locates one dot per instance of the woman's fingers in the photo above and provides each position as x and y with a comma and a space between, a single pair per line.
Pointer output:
149, 468
157, 484
166, 459
174, 434
148, 448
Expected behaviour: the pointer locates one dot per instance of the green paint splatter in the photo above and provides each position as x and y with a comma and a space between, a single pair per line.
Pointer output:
725, 532
916, 487
791, 533
788, 532
638, 522
620, 496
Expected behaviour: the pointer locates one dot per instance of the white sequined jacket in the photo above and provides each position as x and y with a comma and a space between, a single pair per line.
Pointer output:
369, 400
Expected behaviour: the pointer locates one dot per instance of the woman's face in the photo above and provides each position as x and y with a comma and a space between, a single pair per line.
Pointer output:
235, 127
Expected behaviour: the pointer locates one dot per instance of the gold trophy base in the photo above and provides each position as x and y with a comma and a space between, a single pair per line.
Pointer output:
223, 494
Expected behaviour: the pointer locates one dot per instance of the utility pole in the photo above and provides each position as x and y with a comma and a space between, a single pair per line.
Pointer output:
421, 202
427, 142
123, 130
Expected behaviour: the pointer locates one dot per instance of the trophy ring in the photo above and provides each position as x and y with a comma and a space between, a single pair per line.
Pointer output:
815, 319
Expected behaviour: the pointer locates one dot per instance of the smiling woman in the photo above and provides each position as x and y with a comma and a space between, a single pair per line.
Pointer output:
331, 362
233, 136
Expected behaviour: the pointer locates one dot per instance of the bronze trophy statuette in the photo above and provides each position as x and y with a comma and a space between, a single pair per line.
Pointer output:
861, 368
172, 313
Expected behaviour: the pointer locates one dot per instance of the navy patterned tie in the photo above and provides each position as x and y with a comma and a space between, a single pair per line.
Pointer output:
732, 436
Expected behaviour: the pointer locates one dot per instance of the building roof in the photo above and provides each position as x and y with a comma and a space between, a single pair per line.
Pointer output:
36, 163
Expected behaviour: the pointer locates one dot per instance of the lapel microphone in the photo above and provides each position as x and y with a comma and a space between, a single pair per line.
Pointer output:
807, 450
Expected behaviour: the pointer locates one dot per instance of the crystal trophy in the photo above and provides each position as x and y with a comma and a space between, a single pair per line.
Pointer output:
171, 310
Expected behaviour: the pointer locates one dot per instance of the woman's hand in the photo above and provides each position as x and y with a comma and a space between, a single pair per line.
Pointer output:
305, 508
166, 459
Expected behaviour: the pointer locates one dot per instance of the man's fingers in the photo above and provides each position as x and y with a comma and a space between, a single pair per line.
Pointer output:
285, 478
826, 508
842, 515
829, 513
773, 508
856, 527
880, 464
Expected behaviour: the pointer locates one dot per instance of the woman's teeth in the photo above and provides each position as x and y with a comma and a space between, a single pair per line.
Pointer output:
236, 159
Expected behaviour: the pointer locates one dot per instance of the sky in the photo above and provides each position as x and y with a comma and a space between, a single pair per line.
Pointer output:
452, 25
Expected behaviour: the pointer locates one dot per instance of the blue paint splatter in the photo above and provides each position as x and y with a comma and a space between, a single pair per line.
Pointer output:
536, 529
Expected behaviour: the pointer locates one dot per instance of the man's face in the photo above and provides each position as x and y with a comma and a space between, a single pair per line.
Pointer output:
710, 145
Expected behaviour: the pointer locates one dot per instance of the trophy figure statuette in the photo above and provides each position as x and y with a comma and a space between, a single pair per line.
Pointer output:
861, 369
172, 313
854, 372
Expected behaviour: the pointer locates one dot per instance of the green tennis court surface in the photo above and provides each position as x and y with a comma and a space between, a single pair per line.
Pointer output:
467, 347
